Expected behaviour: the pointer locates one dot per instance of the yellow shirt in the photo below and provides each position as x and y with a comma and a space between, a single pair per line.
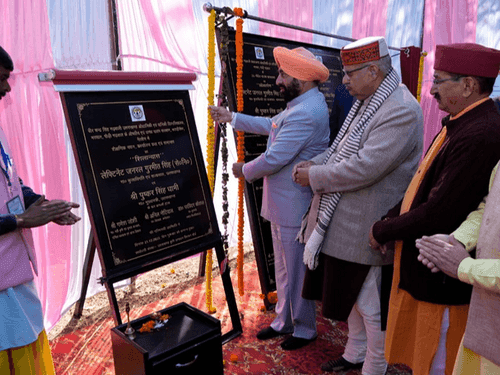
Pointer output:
483, 273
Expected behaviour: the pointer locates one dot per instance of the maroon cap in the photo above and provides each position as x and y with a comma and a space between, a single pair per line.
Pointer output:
467, 59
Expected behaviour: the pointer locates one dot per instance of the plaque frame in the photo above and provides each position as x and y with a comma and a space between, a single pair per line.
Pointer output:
162, 97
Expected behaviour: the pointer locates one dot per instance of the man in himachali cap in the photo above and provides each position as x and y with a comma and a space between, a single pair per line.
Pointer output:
296, 134
361, 176
362, 61
364, 51
451, 182
464, 73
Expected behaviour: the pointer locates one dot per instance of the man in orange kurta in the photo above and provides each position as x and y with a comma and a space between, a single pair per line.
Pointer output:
428, 311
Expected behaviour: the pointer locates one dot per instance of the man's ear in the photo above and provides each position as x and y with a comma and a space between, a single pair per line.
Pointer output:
470, 85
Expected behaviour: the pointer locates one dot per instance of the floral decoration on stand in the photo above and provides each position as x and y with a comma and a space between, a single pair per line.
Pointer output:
210, 148
157, 322
240, 144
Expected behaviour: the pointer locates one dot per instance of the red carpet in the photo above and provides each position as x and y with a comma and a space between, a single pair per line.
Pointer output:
89, 350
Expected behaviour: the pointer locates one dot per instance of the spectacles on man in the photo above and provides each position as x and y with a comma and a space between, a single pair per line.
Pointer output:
350, 72
439, 81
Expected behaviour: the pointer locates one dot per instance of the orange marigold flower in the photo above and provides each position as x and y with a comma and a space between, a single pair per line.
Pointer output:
147, 327
233, 358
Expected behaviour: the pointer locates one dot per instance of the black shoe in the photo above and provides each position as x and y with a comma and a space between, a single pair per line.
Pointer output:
293, 343
340, 364
268, 333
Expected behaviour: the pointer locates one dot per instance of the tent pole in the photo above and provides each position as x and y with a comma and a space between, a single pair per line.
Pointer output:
208, 7
423, 26
114, 35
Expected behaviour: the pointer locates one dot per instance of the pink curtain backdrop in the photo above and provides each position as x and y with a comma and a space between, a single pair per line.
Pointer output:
294, 12
161, 35
452, 21
369, 18
176, 19
32, 118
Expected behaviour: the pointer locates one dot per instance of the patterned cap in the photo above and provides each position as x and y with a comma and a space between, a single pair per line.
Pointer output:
364, 50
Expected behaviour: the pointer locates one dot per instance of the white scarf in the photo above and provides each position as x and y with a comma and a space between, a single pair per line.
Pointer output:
328, 202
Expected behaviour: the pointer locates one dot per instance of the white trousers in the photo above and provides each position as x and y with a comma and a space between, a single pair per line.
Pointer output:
365, 338
439, 362
294, 314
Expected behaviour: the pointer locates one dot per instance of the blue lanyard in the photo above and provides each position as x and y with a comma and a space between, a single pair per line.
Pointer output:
7, 162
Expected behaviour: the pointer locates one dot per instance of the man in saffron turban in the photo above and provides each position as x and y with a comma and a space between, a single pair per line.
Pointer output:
298, 133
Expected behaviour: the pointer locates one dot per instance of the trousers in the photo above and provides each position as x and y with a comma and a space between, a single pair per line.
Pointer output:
294, 314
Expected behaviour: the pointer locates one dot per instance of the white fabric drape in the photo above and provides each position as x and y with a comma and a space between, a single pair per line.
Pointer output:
80, 38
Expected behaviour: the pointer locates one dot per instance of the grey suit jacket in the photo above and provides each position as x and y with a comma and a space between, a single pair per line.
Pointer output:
373, 180
298, 133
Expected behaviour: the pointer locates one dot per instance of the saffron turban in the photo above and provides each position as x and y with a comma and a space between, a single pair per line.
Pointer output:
300, 64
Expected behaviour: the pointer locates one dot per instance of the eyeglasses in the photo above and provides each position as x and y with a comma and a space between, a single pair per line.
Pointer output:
439, 81
350, 72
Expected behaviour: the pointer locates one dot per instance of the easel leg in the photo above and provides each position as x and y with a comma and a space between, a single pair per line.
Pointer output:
230, 297
87, 270
112, 298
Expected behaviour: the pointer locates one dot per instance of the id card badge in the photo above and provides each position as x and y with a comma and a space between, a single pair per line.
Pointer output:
15, 206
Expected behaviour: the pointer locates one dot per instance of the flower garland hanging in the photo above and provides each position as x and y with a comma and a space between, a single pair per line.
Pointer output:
210, 149
420, 75
240, 145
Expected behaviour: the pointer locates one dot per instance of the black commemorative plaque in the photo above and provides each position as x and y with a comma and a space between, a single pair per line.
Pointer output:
262, 98
145, 179
142, 172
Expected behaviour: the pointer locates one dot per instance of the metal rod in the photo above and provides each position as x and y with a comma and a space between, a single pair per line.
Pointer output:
207, 7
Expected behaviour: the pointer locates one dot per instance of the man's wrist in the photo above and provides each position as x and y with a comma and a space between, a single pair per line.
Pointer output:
19, 221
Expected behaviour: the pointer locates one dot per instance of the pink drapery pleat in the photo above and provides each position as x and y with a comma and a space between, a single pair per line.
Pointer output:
369, 18
32, 119
446, 22
159, 23
294, 12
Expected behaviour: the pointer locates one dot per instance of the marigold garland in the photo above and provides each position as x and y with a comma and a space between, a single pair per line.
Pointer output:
420, 75
210, 148
240, 145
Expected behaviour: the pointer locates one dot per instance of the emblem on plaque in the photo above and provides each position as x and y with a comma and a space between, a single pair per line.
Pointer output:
137, 113
259, 53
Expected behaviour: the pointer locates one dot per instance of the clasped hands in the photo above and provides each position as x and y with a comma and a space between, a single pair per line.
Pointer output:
438, 252
300, 173
44, 211
441, 252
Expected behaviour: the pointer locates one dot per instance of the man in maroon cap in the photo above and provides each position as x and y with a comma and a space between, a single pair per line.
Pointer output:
451, 182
